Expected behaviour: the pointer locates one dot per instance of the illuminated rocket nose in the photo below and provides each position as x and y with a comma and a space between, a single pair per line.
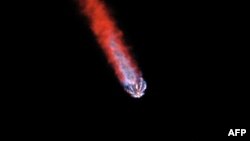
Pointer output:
136, 90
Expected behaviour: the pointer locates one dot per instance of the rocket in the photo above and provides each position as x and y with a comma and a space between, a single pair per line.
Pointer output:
137, 89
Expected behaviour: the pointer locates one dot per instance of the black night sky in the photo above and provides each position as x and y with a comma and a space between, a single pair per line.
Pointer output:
191, 54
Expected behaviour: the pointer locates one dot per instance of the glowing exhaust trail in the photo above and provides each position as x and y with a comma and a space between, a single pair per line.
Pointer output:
111, 41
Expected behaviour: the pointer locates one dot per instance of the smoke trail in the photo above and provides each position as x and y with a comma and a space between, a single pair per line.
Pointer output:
111, 41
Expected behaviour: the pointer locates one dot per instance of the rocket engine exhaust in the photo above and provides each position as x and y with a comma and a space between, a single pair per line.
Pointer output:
110, 38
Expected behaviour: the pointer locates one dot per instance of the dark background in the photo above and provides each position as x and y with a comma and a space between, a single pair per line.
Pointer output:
192, 55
